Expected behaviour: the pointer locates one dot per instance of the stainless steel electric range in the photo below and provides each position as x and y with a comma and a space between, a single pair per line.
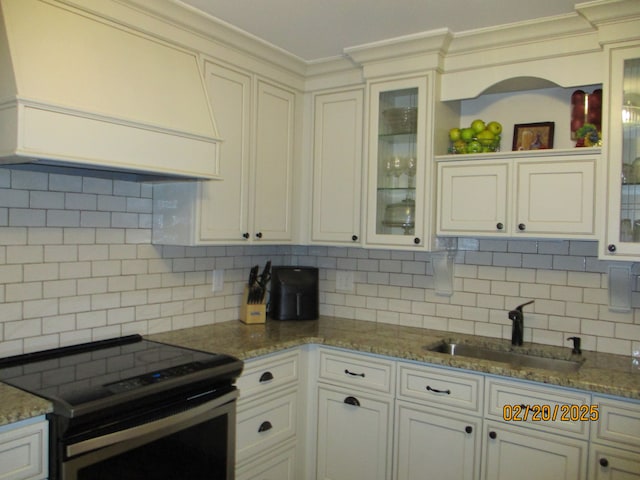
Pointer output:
131, 408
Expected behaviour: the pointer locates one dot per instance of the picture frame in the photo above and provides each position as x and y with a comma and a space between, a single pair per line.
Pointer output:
533, 136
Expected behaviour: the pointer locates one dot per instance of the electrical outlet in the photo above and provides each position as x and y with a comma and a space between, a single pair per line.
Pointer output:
344, 282
217, 284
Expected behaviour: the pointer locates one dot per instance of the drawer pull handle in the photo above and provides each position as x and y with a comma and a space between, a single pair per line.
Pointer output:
265, 377
265, 426
604, 462
352, 401
435, 390
354, 374
468, 429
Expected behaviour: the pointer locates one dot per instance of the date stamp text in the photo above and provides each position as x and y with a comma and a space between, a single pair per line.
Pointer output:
550, 413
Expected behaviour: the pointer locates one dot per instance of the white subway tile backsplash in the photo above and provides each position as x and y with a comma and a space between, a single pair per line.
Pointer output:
24, 217
95, 219
578, 279
19, 292
14, 198
58, 323
78, 303
63, 218
29, 180
97, 185
22, 329
111, 203
47, 200
59, 288
10, 311
60, 253
77, 264
93, 285
39, 308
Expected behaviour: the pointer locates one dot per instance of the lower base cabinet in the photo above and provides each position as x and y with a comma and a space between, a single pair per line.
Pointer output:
607, 463
24, 450
527, 454
436, 422
433, 443
354, 435
277, 465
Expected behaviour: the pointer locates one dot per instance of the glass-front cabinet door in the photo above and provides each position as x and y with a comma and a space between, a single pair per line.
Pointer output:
397, 162
623, 219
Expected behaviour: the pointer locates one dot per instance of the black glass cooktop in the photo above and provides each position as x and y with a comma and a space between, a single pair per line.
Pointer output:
105, 373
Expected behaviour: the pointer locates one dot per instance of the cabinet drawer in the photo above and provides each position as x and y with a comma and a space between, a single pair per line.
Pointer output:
265, 425
362, 371
279, 465
619, 422
267, 374
24, 451
444, 387
508, 401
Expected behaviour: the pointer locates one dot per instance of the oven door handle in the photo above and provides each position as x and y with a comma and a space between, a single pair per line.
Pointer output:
161, 427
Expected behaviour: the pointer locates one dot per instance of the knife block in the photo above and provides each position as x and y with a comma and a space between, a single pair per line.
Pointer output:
251, 313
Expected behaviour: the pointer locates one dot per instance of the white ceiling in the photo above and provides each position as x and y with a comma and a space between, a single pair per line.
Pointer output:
318, 29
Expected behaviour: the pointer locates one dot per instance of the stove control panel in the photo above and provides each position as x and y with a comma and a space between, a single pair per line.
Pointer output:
154, 377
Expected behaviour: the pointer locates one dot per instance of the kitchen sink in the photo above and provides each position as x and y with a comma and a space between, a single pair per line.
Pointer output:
515, 359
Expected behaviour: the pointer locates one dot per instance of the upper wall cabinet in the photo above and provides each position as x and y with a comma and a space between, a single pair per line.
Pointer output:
337, 167
399, 165
253, 202
622, 238
552, 196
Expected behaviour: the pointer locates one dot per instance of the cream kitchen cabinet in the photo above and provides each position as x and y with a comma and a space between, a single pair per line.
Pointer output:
337, 167
438, 418
269, 417
254, 200
399, 164
355, 415
547, 195
429, 439
534, 448
354, 434
24, 450
615, 440
514, 452
279, 465
622, 142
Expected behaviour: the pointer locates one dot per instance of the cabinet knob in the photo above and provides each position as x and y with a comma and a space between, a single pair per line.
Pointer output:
245, 235
500, 226
416, 241
604, 462
259, 235
265, 426
354, 238
265, 377
522, 227
468, 429
493, 435
352, 401
611, 247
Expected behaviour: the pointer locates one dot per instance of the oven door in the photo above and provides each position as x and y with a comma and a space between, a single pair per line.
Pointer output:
196, 443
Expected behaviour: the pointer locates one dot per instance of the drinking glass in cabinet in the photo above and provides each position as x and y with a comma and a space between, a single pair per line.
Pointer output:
630, 201
397, 167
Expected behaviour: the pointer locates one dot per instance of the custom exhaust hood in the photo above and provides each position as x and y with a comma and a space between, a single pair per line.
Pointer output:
84, 91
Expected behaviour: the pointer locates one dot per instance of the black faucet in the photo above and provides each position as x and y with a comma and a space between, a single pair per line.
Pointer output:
517, 317
576, 345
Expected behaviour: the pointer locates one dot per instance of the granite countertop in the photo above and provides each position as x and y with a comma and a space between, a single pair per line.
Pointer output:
601, 373
16, 405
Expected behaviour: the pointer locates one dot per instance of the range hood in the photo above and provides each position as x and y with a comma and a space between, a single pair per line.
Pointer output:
84, 91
